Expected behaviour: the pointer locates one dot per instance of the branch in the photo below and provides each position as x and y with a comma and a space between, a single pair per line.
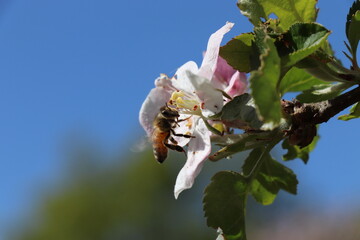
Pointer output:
304, 116
315, 113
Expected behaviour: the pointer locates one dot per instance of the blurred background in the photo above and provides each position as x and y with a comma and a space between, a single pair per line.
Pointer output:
73, 75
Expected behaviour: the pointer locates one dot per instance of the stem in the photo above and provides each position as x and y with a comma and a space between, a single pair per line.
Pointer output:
315, 113
252, 175
305, 116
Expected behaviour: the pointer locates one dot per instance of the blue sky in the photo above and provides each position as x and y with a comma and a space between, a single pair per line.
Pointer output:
86, 66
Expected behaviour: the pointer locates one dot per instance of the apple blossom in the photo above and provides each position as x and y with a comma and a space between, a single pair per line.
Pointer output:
231, 81
194, 92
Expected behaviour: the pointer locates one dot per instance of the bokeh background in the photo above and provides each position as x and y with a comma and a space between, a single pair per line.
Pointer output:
73, 75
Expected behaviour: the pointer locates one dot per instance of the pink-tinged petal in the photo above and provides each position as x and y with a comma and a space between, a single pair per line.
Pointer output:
223, 71
237, 84
198, 151
208, 65
211, 100
151, 107
181, 80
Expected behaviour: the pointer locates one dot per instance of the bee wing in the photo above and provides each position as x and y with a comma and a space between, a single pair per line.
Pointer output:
141, 144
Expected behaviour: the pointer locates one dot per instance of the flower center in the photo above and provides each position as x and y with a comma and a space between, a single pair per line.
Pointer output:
187, 104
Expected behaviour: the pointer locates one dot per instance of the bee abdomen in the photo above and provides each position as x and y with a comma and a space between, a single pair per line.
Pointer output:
160, 153
160, 150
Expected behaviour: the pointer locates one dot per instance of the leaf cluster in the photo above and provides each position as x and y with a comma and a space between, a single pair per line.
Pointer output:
287, 51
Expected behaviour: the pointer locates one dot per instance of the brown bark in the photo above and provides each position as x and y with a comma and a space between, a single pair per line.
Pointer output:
304, 116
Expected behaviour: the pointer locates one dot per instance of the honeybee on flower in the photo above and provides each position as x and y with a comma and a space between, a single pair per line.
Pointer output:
194, 93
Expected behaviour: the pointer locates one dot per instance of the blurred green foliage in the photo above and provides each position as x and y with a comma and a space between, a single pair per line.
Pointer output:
132, 198
131, 201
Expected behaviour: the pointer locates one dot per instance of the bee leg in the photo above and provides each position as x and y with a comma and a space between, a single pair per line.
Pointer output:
181, 135
175, 147
181, 120
173, 140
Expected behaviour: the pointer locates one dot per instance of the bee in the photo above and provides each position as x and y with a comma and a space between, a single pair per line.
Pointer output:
164, 122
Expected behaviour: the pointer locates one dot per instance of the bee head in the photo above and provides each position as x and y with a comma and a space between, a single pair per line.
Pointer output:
169, 113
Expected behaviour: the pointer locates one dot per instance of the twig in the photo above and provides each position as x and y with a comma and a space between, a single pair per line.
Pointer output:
304, 116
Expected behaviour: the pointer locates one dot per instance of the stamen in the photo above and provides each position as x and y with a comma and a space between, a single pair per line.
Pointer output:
185, 103
189, 123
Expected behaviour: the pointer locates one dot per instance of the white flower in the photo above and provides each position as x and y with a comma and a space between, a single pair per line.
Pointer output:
194, 92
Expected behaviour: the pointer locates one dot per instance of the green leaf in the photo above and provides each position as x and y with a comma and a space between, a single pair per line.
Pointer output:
353, 33
306, 35
354, 113
239, 146
252, 10
304, 39
211, 128
355, 7
297, 80
294, 151
261, 194
322, 92
225, 202
260, 35
325, 67
241, 142
241, 108
287, 11
264, 81
270, 178
275, 176
258, 191
238, 52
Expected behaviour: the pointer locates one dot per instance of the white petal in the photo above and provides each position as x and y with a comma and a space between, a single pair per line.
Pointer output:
198, 151
185, 127
220, 236
181, 81
208, 65
163, 81
207, 94
151, 107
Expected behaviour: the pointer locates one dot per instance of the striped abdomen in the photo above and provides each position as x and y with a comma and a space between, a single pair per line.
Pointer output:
160, 150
